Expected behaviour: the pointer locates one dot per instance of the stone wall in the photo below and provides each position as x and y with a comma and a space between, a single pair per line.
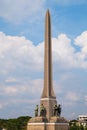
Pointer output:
48, 126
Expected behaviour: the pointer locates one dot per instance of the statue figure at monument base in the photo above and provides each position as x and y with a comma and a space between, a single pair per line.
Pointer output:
57, 110
42, 111
36, 111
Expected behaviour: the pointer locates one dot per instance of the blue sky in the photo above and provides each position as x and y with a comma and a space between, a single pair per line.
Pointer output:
22, 55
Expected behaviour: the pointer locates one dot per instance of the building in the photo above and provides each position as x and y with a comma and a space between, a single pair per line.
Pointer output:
82, 117
82, 120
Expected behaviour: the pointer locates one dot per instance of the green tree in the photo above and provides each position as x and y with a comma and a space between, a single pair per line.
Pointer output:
14, 124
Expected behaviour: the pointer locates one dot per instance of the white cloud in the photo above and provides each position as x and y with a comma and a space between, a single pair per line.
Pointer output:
19, 54
86, 98
17, 10
10, 79
21, 63
22, 87
72, 96
37, 85
10, 90
1, 106
25, 92
65, 54
63, 51
73, 115
82, 42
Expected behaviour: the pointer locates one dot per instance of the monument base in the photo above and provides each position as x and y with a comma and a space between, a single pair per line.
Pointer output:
55, 123
48, 126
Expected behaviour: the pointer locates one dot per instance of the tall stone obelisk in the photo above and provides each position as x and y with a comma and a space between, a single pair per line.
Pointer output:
48, 98
49, 121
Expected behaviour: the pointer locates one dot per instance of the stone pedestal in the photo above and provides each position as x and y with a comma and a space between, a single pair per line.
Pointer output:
41, 123
48, 103
47, 126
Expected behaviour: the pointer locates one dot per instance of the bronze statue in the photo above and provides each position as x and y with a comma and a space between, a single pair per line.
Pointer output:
57, 110
42, 110
36, 111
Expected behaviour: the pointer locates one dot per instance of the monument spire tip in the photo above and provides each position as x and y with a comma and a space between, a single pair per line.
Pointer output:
48, 11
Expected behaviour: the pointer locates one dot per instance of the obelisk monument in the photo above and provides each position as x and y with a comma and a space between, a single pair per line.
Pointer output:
48, 98
48, 118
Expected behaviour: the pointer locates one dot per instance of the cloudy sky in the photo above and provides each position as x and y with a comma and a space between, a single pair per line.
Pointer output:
22, 55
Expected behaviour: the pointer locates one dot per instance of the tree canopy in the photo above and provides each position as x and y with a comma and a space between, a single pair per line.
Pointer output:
19, 123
